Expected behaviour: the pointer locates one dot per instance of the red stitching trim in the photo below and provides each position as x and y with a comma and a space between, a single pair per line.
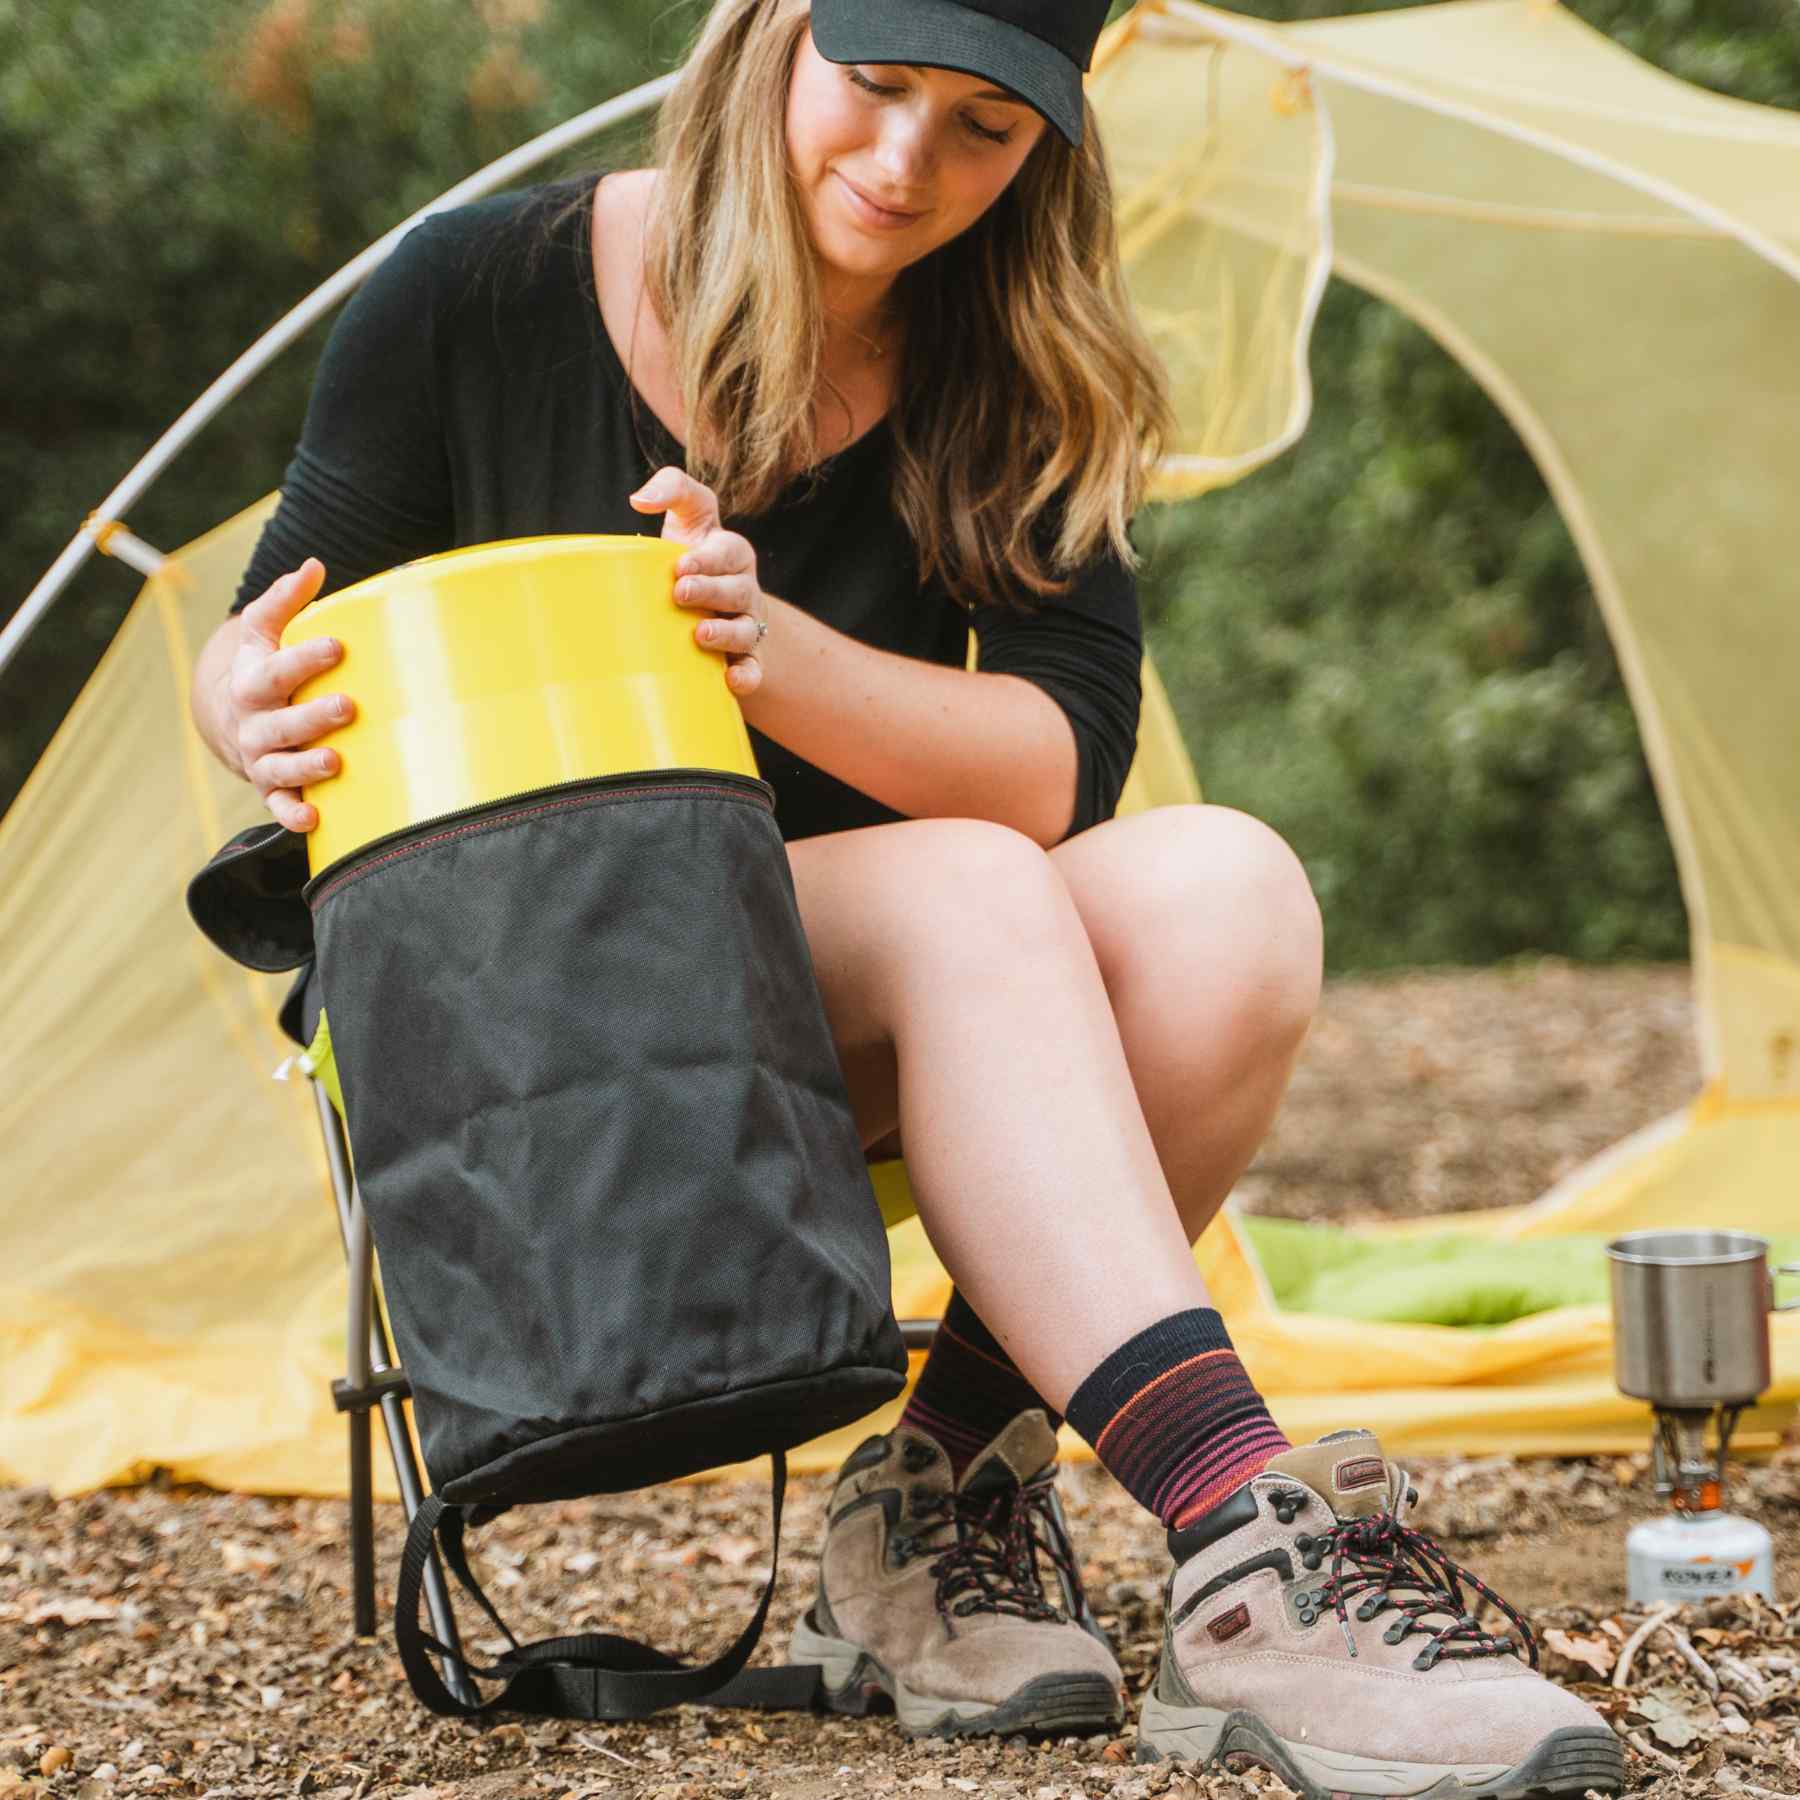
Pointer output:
499, 819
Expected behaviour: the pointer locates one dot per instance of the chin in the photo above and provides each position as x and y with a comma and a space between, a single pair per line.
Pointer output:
857, 255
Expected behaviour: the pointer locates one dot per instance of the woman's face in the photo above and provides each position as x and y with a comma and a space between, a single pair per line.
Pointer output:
891, 160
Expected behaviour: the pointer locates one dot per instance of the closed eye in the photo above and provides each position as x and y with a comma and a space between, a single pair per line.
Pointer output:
981, 131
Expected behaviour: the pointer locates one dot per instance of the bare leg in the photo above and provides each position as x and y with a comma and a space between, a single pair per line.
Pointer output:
1208, 937
962, 990
968, 1004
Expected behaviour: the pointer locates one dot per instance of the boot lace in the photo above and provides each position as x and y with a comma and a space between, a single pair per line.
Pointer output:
991, 1563
1402, 1570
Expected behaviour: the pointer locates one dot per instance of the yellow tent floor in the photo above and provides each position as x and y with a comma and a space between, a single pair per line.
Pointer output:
85, 1395
1540, 1385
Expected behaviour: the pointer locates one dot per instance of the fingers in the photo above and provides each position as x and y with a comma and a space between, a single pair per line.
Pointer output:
294, 769
277, 749
739, 634
262, 677
290, 810
719, 575
689, 508
274, 738
723, 554
267, 616
732, 594
289, 727
737, 591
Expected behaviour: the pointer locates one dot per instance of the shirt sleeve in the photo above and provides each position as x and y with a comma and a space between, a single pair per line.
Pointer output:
1085, 649
369, 484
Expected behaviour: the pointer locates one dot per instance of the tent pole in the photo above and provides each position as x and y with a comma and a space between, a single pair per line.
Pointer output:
273, 341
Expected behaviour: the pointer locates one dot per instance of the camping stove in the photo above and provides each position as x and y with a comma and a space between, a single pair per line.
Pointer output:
1691, 1336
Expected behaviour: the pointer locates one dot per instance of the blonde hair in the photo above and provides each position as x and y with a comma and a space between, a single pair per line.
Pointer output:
1030, 380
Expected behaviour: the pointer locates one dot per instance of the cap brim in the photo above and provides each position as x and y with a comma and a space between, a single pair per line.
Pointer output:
939, 34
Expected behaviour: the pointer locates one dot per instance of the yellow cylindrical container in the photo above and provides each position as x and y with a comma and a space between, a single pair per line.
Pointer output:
508, 667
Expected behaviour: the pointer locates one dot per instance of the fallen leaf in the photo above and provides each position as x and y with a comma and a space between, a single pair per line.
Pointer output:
1675, 1731
73, 1611
1673, 1724
1595, 1652
733, 1551
240, 1559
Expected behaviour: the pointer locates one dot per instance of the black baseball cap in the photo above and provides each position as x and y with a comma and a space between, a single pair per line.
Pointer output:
1037, 49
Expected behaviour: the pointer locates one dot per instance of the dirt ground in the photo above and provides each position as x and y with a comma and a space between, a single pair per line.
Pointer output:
166, 1641
1447, 1092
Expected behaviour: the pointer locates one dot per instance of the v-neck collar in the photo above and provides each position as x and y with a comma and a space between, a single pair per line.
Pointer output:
644, 414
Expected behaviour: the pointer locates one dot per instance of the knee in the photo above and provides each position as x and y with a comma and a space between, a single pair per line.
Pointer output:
1227, 899
980, 885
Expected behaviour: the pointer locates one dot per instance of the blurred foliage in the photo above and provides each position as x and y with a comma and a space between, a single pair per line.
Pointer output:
1384, 643
179, 174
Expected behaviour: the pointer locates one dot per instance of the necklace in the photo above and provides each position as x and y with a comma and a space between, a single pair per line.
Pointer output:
877, 349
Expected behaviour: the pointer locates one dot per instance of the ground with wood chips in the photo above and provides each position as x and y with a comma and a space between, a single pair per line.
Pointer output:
174, 1642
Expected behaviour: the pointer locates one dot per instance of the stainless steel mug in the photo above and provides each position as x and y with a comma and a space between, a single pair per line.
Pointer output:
1691, 1316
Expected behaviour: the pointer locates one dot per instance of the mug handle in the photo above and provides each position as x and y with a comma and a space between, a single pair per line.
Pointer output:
1775, 1275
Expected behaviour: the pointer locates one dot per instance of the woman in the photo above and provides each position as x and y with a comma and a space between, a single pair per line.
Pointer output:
867, 306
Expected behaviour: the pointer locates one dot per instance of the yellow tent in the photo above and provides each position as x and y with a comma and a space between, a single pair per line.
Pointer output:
1614, 255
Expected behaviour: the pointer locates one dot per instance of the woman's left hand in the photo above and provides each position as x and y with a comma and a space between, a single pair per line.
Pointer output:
718, 574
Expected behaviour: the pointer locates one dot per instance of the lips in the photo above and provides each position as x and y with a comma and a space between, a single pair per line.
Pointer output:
871, 211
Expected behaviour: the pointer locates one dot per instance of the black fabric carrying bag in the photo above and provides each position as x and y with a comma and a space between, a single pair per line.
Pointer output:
625, 1226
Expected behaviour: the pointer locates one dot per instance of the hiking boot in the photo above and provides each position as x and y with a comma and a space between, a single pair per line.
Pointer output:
931, 1595
1309, 1629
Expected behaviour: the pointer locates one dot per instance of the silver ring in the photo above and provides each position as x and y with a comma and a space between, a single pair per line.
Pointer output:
762, 629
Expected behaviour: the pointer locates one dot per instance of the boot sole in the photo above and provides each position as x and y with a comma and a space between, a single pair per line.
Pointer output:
857, 1683
1570, 1761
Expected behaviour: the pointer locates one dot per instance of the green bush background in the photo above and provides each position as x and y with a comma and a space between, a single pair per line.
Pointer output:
1383, 643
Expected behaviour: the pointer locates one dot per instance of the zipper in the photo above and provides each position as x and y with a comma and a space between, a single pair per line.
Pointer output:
747, 787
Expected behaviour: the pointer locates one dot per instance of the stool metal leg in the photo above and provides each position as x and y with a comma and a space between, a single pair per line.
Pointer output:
372, 1377
362, 1522
358, 1374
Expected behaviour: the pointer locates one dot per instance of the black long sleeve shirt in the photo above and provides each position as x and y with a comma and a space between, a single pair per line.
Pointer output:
470, 392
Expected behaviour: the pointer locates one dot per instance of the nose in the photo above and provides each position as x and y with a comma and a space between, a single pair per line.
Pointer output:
905, 151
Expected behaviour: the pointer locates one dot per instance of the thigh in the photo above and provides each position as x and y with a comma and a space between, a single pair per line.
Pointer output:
895, 914
840, 883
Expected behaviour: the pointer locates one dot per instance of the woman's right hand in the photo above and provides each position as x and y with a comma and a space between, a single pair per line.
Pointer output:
271, 734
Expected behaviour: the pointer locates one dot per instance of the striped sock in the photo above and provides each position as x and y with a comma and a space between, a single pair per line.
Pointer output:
1174, 1417
970, 1390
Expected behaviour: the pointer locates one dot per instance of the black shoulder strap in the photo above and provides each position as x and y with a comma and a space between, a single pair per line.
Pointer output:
596, 1675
